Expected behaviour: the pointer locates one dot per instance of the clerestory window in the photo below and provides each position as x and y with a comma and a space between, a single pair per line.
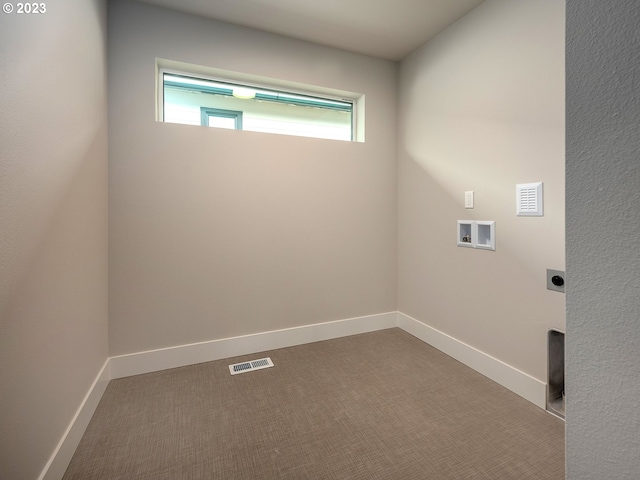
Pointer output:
198, 100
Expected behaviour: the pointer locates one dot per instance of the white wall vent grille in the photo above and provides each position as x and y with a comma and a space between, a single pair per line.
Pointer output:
529, 199
250, 366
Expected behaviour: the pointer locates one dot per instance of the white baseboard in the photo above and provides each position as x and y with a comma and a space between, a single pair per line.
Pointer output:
518, 382
172, 357
59, 461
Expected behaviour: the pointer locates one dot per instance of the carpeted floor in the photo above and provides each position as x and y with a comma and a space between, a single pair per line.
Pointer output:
381, 405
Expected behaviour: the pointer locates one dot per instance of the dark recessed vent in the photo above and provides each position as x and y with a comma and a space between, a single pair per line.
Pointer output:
250, 366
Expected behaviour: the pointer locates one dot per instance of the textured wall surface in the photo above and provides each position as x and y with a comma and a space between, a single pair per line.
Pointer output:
481, 107
216, 233
53, 225
603, 259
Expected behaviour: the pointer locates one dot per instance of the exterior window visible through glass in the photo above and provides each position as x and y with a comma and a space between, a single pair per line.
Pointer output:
221, 122
199, 101
216, 117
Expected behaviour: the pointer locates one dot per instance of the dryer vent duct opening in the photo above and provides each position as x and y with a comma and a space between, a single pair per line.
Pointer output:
555, 382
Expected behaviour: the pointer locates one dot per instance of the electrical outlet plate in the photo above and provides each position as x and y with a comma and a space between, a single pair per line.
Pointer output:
551, 285
468, 199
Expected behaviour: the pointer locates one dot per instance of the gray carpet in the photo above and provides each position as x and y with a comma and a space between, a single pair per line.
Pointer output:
381, 405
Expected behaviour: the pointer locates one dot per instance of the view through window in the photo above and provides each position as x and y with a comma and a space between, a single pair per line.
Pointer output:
195, 100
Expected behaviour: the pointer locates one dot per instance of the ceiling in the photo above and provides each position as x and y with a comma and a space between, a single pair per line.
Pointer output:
387, 29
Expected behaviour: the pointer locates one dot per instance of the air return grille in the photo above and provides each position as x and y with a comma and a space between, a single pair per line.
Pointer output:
250, 366
529, 199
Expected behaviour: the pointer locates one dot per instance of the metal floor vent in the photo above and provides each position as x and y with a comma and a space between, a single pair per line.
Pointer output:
250, 366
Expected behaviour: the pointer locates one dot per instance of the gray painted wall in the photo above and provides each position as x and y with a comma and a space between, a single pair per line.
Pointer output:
217, 233
53, 225
481, 107
603, 258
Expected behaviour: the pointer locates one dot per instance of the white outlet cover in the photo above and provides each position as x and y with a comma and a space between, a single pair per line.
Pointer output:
468, 199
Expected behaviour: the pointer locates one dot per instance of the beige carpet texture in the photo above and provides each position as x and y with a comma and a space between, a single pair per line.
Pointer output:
381, 405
